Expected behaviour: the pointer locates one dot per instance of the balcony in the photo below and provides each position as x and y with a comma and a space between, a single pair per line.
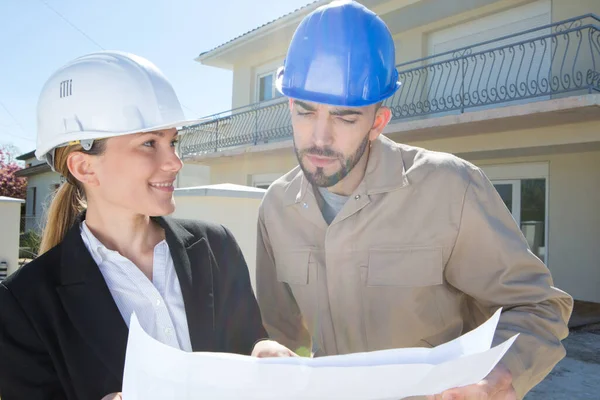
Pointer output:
549, 62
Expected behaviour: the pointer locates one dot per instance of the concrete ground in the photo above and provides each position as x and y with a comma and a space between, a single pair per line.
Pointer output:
577, 376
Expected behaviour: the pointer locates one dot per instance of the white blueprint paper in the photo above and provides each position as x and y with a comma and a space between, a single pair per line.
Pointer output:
156, 371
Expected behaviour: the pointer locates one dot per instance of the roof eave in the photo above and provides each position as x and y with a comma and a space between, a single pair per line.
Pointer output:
214, 57
33, 170
213, 60
26, 156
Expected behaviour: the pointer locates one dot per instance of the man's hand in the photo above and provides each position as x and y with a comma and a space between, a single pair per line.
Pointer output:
496, 386
113, 396
270, 348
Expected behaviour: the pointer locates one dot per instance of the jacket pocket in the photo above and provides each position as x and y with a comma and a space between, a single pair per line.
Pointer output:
405, 267
400, 296
293, 267
298, 271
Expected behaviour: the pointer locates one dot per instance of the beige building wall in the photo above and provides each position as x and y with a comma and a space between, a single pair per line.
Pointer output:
240, 169
412, 44
10, 215
242, 85
534, 138
565, 9
575, 224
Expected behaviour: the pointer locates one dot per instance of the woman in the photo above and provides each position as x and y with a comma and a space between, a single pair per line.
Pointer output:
107, 123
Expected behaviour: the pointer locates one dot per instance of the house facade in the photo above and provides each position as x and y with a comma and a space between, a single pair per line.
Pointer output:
42, 182
510, 85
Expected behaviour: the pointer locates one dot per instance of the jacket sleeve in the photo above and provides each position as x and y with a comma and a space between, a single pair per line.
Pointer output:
281, 314
26, 369
243, 326
492, 264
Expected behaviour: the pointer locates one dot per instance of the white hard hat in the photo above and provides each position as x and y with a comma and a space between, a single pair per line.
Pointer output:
101, 95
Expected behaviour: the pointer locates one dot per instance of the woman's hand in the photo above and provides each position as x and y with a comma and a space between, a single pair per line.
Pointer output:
113, 396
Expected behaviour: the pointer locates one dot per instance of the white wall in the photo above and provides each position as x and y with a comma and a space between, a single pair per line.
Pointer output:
235, 209
193, 175
10, 213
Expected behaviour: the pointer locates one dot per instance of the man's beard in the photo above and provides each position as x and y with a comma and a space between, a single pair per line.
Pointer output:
318, 178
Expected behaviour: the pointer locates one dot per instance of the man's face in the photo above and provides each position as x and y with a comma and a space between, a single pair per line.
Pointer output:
329, 141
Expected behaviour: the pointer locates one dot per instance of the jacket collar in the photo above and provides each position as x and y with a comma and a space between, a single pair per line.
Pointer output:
89, 303
87, 299
194, 263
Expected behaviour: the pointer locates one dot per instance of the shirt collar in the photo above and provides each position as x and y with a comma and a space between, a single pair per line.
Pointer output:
100, 253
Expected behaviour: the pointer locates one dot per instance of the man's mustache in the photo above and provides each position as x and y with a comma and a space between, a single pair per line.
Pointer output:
321, 152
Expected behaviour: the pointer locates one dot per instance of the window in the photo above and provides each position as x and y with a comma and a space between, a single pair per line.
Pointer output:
32, 200
526, 200
524, 189
266, 87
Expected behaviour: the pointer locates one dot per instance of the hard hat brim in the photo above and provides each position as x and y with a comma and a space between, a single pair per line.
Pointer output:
67, 138
329, 99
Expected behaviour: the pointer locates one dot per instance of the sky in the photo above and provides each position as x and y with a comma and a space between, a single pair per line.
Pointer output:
35, 41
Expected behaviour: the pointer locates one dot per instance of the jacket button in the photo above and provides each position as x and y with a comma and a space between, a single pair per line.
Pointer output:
357, 197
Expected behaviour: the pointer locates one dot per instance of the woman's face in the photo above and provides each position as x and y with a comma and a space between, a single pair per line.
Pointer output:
136, 173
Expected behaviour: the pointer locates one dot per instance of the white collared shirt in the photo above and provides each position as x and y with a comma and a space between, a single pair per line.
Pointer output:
158, 304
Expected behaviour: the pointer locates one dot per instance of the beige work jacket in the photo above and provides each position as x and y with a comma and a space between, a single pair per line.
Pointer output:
423, 251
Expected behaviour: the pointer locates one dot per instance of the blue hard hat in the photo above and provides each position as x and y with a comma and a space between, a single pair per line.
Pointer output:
341, 54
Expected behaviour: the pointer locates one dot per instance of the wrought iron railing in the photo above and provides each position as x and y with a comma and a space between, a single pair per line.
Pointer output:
546, 62
249, 125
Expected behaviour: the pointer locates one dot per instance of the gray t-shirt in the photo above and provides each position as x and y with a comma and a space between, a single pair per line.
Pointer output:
331, 205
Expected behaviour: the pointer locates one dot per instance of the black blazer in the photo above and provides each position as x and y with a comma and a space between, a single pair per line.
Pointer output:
61, 333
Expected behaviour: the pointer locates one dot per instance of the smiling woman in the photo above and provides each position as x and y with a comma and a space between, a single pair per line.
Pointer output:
107, 122
131, 173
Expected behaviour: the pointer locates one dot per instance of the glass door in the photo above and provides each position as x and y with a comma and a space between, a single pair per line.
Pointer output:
510, 191
526, 200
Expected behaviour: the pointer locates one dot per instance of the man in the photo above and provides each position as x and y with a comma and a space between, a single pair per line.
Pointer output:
369, 244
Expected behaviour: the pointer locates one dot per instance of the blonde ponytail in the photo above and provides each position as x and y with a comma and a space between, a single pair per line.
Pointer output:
68, 201
66, 205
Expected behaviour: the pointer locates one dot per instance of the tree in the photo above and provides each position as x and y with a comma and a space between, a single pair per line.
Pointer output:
11, 185
10, 152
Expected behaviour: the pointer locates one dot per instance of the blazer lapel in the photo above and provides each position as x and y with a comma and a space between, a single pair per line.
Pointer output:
194, 263
89, 303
